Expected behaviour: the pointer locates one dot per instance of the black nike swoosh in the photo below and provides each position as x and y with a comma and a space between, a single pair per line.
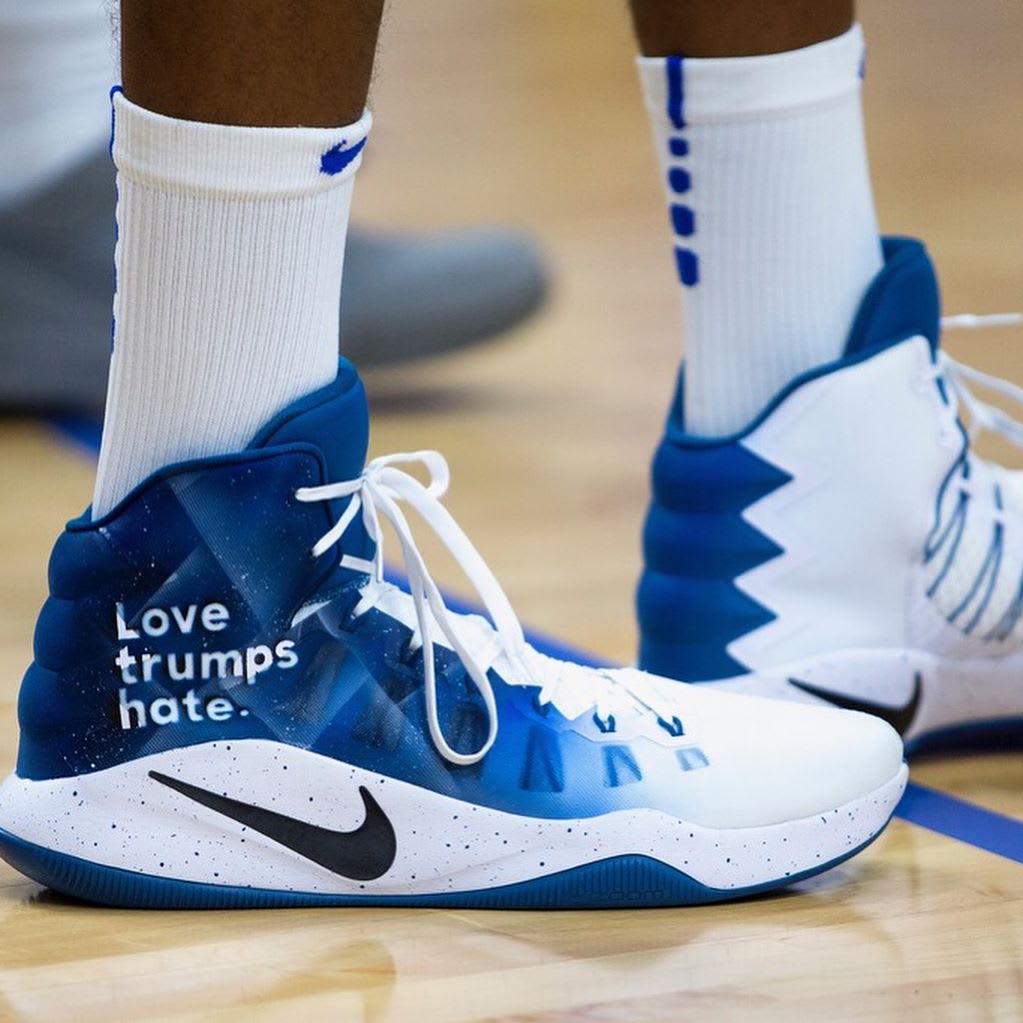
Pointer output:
364, 854
900, 718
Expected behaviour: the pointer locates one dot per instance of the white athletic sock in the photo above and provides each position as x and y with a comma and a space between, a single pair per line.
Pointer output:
776, 239
56, 64
228, 268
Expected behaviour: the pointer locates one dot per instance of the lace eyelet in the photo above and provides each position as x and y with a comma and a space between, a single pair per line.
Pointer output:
673, 727
349, 621
406, 655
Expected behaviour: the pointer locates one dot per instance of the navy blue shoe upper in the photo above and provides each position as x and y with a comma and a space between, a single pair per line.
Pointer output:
196, 573
175, 620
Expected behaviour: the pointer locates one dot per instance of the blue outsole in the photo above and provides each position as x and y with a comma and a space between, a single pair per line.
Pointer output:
623, 882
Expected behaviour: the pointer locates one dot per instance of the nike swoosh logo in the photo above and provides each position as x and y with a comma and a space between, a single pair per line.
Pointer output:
900, 718
364, 854
335, 159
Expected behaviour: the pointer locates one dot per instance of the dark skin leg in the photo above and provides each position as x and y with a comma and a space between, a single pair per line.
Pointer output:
736, 28
262, 63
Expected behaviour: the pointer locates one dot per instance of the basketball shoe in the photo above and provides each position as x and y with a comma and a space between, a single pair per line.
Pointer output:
230, 706
847, 547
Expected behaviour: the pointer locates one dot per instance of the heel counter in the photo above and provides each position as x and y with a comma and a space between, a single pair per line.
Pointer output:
695, 544
69, 637
162, 616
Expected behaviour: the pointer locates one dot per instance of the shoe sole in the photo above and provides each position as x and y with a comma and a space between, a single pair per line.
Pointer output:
118, 838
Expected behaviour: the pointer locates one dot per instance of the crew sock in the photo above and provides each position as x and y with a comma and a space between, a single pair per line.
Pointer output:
776, 239
228, 279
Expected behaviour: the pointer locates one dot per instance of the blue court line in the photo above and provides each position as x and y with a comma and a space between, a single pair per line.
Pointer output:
80, 431
925, 807
966, 822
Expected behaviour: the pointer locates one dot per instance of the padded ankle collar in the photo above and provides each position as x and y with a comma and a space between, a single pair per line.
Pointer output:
333, 422
335, 419
903, 300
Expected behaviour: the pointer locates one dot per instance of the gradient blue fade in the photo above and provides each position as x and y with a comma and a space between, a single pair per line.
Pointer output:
925, 807
228, 531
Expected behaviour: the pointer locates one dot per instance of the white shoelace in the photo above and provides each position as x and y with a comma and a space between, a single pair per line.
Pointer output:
983, 416
377, 492
615, 700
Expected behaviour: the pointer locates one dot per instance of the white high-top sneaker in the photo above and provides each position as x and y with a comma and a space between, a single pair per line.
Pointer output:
847, 547
229, 706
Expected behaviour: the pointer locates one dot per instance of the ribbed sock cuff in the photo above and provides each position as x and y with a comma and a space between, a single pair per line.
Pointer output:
705, 90
232, 162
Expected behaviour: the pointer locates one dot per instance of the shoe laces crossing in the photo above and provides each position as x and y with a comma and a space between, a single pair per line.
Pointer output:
479, 644
983, 416
376, 493
615, 697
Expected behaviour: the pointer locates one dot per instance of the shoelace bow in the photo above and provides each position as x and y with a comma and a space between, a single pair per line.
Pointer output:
983, 416
377, 492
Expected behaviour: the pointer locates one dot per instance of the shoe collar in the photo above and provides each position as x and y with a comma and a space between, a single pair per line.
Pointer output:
902, 302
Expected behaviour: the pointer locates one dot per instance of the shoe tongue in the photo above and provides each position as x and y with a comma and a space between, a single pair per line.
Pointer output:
902, 301
334, 419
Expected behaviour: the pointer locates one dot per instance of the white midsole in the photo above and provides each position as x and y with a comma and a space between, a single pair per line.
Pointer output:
953, 691
120, 817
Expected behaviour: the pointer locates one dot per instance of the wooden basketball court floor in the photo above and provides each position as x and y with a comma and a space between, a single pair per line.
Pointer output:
527, 111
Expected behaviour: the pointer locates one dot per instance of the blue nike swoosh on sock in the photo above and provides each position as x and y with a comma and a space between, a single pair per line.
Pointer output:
335, 159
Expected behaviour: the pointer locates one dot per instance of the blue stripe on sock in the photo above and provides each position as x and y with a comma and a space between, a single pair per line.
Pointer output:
676, 91
682, 220
114, 90
679, 180
688, 266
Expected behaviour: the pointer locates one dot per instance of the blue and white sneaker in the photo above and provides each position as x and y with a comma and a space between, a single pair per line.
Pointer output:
229, 706
847, 547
